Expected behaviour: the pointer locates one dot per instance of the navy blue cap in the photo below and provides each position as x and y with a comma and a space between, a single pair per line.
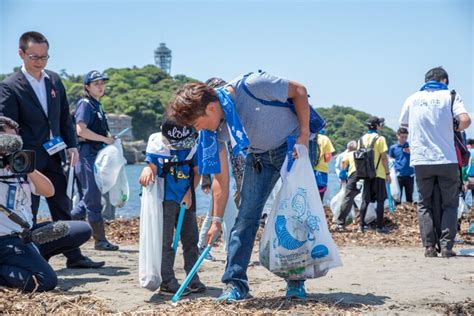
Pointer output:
94, 75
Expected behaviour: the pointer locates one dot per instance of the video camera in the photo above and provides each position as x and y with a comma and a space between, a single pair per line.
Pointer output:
11, 154
20, 162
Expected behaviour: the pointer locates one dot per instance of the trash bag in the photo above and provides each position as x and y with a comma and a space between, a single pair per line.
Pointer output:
336, 203
394, 185
462, 207
151, 236
108, 166
371, 214
296, 242
120, 192
230, 214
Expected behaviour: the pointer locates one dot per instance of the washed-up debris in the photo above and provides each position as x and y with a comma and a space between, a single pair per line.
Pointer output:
404, 230
459, 308
266, 304
403, 225
16, 302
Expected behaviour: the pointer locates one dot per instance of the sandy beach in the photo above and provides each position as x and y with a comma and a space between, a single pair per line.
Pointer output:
381, 274
373, 279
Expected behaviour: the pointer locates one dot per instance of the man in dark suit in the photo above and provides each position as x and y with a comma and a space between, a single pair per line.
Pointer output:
36, 99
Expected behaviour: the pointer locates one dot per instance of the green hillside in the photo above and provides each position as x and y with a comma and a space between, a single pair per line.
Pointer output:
144, 92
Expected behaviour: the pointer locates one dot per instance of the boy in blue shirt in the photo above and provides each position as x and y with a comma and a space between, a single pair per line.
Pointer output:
405, 174
171, 156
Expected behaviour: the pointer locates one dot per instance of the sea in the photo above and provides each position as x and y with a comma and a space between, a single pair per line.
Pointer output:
132, 208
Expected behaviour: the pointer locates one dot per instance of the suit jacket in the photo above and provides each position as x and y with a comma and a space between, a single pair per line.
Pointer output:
19, 102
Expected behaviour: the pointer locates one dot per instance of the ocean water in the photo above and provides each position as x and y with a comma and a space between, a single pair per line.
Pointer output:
132, 208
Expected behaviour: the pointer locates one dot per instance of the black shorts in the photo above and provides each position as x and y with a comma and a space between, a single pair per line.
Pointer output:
374, 190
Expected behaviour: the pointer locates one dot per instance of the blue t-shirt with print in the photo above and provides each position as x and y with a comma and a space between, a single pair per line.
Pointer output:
178, 179
402, 159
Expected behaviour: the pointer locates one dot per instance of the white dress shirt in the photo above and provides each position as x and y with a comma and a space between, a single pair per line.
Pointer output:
39, 87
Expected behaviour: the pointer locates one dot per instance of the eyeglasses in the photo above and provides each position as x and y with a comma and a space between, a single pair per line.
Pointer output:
34, 57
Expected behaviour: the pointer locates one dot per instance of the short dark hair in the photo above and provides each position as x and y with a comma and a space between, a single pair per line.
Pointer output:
470, 141
33, 37
190, 102
6, 122
436, 74
402, 130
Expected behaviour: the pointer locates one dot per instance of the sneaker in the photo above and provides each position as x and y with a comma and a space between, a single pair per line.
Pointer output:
295, 289
209, 257
447, 253
230, 294
197, 287
362, 229
339, 228
382, 230
263, 220
170, 289
430, 252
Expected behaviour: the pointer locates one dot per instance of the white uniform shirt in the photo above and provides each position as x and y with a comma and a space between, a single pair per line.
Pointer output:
430, 122
22, 204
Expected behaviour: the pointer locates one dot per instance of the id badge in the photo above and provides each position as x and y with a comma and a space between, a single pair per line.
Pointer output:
54, 145
11, 197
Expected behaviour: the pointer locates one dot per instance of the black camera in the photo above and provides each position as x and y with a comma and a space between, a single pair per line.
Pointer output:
20, 162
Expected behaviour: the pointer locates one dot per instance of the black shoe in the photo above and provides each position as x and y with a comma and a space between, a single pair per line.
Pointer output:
170, 289
382, 230
197, 287
85, 263
447, 253
105, 245
430, 252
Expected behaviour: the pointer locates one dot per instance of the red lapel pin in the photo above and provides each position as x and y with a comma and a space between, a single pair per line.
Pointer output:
53, 93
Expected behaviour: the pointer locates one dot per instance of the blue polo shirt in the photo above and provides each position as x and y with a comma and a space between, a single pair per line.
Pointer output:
177, 182
402, 160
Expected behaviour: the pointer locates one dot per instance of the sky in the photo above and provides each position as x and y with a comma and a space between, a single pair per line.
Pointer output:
370, 55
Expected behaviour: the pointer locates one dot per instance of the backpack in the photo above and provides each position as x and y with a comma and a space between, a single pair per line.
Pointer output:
316, 122
462, 153
364, 158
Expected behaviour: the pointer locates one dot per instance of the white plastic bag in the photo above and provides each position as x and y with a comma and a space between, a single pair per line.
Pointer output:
336, 203
151, 236
120, 192
108, 165
296, 242
394, 185
230, 214
371, 214
462, 207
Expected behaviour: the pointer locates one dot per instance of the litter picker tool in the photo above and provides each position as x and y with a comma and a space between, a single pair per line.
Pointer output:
182, 210
193, 271
391, 205
121, 133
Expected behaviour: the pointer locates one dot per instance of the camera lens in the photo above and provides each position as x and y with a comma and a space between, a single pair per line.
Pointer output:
20, 162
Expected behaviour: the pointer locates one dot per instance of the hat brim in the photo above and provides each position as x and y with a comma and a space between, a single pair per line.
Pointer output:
186, 143
99, 78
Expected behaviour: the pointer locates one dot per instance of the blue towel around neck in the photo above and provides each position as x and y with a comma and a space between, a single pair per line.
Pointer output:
434, 85
208, 148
